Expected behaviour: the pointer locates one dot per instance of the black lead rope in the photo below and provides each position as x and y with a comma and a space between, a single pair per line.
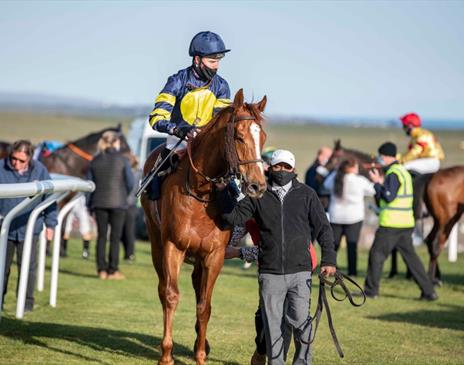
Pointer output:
322, 303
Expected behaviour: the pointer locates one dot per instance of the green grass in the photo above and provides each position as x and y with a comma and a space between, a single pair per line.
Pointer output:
104, 322
100, 322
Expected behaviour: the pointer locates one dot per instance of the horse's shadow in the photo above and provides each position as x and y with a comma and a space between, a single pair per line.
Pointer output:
450, 317
130, 344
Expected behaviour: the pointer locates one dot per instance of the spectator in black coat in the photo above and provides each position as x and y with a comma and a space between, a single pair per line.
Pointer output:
113, 178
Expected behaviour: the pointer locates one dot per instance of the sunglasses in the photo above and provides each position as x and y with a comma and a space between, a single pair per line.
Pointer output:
13, 158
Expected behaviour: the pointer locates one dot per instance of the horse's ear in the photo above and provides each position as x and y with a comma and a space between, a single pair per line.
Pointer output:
118, 127
337, 144
238, 99
262, 104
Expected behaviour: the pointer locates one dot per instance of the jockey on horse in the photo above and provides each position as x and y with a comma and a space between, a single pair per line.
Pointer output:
189, 99
425, 153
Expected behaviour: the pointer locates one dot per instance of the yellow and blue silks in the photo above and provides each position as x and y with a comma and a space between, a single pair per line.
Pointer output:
187, 99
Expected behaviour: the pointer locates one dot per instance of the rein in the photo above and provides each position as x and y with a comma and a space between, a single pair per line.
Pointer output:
231, 156
80, 152
322, 303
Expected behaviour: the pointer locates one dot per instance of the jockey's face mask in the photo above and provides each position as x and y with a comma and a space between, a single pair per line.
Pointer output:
407, 129
207, 66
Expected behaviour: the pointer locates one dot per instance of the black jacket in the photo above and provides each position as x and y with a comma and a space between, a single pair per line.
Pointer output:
113, 178
286, 228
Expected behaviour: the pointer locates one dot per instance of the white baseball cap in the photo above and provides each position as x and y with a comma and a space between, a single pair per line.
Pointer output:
283, 156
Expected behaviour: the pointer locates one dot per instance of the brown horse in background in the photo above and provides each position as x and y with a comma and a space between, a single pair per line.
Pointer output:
74, 157
365, 161
190, 215
444, 198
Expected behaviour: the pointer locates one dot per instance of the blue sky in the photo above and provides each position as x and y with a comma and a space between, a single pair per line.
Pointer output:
320, 59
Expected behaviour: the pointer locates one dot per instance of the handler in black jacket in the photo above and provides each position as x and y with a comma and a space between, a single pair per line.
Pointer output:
286, 215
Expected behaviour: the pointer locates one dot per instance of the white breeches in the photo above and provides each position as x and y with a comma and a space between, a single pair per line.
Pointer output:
423, 165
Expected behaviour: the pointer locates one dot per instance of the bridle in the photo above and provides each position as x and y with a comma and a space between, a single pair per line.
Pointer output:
231, 156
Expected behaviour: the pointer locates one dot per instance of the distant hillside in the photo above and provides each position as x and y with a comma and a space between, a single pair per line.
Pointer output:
42, 103
27, 102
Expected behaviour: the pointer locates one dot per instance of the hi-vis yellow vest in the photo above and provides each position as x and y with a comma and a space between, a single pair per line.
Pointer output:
399, 212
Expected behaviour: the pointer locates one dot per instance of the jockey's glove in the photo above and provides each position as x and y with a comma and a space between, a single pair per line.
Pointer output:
183, 130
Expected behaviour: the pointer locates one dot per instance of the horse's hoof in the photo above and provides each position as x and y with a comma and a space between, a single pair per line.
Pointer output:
201, 359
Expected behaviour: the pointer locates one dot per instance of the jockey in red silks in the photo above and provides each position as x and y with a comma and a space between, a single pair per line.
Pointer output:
424, 153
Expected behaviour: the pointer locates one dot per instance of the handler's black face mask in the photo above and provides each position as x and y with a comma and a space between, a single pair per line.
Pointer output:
281, 178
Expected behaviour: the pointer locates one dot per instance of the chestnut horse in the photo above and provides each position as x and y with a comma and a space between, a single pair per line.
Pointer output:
444, 198
230, 144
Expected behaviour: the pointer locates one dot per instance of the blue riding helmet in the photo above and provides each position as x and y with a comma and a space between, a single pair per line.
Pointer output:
207, 44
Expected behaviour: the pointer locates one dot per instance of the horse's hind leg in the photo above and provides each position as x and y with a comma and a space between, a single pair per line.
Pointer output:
430, 241
169, 294
212, 266
443, 235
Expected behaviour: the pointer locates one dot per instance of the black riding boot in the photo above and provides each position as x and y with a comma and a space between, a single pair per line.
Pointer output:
154, 188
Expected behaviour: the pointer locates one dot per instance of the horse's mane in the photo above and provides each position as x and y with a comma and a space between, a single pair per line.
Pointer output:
220, 120
359, 154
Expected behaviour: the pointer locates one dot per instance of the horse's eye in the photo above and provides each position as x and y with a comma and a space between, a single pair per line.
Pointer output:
240, 139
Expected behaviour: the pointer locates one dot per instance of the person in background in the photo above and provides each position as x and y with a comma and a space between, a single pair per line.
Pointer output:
322, 157
346, 208
285, 215
128, 232
112, 175
18, 168
80, 213
393, 191
318, 168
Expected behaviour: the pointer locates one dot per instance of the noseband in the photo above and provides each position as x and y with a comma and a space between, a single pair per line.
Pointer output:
231, 156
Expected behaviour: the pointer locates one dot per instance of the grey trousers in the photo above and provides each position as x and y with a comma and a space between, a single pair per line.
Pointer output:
285, 302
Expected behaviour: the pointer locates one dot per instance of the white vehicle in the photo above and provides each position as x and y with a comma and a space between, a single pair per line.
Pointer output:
142, 139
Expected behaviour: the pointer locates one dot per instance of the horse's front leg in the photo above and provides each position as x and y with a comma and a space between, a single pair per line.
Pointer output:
211, 267
168, 291
196, 283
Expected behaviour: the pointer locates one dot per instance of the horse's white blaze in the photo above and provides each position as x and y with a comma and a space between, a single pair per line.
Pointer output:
255, 131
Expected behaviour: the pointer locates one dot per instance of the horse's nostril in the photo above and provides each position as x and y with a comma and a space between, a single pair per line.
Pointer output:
253, 188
